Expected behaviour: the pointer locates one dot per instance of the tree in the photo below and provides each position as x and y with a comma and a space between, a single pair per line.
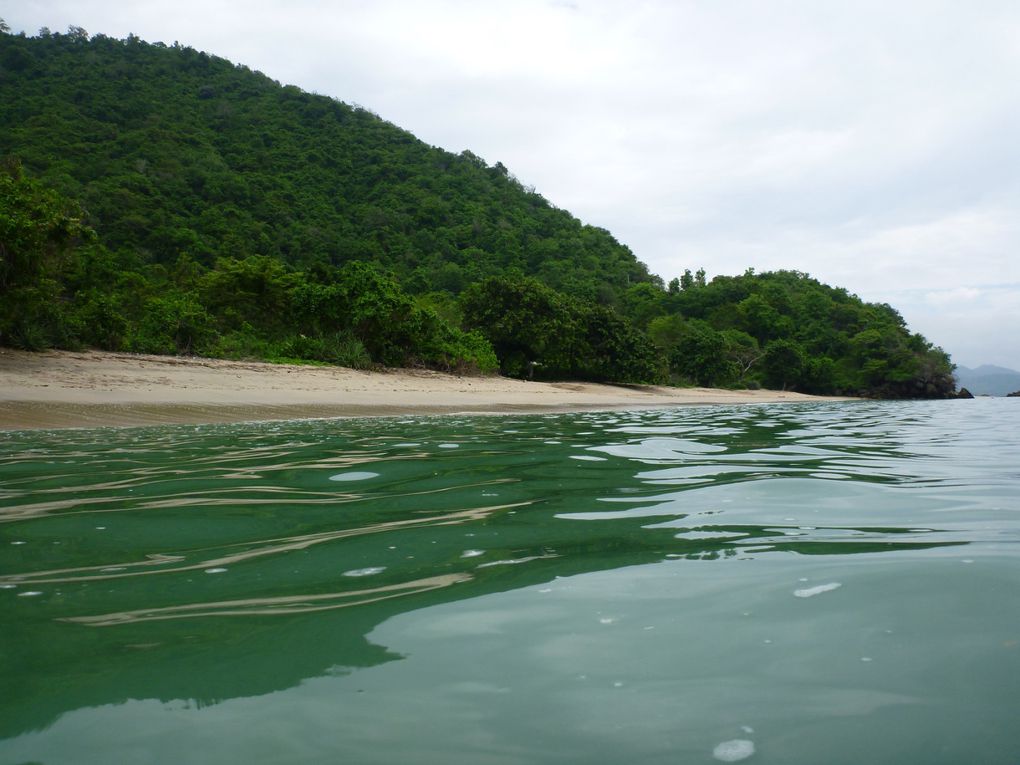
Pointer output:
700, 355
642, 302
537, 331
742, 350
173, 323
820, 375
612, 350
665, 331
39, 231
254, 291
525, 321
783, 364
760, 320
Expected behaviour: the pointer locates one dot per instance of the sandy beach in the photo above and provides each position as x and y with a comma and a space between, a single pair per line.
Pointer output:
92, 388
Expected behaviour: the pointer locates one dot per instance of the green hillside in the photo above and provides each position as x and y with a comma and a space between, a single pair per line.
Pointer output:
172, 151
161, 199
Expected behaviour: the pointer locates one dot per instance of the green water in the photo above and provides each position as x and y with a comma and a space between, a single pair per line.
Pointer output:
834, 583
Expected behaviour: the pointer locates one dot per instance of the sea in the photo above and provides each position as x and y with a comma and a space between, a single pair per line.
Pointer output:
831, 582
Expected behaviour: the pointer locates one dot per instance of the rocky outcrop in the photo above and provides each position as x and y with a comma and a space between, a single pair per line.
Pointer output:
1014, 394
964, 393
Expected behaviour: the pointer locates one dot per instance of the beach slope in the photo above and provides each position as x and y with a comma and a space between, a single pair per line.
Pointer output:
93, 388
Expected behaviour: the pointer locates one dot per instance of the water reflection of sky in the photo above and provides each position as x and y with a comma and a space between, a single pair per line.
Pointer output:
275, 577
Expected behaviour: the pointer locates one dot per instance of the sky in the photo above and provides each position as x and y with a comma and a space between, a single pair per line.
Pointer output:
872, 145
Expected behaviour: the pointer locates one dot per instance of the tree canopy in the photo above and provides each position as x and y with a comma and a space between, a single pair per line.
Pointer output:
173, 151
157, 198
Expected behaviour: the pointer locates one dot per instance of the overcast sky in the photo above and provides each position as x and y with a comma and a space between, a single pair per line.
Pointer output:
873, 145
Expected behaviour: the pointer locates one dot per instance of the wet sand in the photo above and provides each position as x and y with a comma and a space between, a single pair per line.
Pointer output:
59, 389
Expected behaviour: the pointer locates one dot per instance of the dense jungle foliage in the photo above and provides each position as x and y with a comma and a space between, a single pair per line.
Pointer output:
159, 199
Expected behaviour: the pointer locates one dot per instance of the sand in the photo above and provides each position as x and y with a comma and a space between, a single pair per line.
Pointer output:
59, 389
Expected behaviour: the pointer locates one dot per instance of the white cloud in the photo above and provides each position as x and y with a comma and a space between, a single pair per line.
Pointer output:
952, 297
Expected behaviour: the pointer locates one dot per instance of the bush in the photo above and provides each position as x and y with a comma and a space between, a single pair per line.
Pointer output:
340, 348
241, 344
171, 325
99, 321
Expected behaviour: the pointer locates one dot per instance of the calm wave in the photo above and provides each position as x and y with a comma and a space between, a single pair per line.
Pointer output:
788, 583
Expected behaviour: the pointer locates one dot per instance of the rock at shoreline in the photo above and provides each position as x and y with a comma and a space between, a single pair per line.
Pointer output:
964, 393
1014, 394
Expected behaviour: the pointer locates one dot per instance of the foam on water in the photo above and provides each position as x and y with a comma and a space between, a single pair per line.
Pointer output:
365, 571
808, 592
515, 561
354, 476
733, 751
697, 534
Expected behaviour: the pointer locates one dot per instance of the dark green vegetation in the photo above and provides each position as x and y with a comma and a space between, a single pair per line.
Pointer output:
160, 199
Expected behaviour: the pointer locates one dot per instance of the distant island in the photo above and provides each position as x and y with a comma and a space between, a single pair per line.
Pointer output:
989, 380
158, 199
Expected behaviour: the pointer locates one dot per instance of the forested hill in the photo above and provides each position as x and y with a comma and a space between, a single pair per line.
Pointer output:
173, 151
159, 199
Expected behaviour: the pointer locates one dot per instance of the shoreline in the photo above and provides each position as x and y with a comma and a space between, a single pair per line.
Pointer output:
88, 389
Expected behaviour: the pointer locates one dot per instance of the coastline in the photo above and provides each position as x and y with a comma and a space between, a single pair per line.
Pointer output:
66, 389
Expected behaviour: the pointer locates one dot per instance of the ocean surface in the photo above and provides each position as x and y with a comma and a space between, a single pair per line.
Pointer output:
798, 583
